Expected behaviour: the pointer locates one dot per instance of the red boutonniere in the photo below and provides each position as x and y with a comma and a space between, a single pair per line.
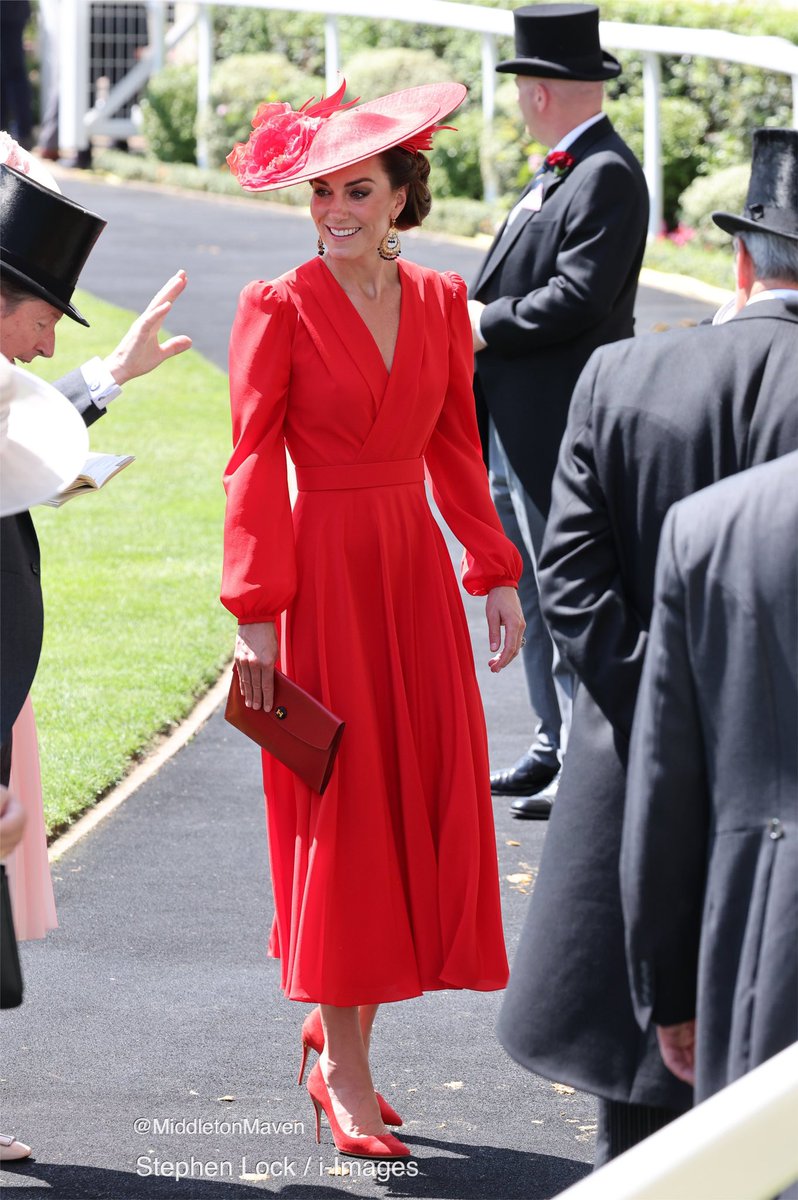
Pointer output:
560, 162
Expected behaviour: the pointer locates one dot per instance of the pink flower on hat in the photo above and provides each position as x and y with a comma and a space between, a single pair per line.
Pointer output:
280, 140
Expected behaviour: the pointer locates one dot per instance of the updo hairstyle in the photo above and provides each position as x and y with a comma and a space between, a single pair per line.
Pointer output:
407, 168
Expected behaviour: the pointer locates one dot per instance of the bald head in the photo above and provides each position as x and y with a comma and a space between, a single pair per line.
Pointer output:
551, 108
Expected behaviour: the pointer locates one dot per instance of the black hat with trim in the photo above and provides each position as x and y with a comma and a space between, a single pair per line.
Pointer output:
559, 41
45, 239
772, 202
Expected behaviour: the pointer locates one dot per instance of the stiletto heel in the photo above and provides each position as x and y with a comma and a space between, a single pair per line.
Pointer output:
317, 1111
305, 1047
372, 1145
313, 1039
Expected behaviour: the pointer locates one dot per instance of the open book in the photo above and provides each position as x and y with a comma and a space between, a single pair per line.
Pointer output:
97, 470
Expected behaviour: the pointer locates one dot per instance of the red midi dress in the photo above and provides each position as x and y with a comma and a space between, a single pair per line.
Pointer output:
387, 885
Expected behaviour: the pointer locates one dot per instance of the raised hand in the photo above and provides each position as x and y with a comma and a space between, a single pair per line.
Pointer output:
140, 352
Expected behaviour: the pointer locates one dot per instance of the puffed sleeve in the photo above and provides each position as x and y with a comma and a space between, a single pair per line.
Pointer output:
259, 572
456, 467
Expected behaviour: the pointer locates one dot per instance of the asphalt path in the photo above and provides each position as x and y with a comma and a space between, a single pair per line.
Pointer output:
154, 1039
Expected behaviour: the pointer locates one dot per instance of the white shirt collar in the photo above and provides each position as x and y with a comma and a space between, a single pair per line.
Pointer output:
571, 137
563, 143
773, 294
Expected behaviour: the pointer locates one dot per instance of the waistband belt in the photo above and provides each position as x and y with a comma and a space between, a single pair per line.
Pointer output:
360, 475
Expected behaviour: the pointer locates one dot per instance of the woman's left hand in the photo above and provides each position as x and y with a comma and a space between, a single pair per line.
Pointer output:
504, 608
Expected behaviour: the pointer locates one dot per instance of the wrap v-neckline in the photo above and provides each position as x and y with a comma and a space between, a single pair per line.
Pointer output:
337, 329
369, 345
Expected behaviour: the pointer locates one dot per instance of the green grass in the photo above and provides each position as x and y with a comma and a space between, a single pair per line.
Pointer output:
134, 630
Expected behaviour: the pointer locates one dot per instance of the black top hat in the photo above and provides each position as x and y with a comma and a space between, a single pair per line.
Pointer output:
45, 239
772, 202
559, 41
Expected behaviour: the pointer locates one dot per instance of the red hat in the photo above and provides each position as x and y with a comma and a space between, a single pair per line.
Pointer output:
287, 147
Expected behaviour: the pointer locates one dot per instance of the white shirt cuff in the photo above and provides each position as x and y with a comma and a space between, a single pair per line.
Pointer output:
102, 386
480, 330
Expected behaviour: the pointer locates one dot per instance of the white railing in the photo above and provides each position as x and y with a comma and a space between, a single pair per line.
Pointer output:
738, 1145
78, 121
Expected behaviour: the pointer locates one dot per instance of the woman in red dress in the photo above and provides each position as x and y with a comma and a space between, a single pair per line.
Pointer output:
361, 365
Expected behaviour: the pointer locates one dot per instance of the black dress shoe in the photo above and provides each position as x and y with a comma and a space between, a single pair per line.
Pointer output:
532, 808
523, 778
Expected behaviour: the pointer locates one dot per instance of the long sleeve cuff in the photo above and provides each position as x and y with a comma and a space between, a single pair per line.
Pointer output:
102, 386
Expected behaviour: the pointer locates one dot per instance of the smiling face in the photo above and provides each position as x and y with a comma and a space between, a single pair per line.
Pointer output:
354, 208
27, 329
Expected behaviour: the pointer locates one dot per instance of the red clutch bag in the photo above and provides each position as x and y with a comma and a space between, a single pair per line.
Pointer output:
299, 731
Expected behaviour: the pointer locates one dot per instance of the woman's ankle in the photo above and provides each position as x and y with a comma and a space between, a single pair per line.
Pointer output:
351, 1091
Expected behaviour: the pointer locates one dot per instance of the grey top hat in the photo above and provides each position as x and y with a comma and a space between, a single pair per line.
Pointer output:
559, 41
45, 239
772, 202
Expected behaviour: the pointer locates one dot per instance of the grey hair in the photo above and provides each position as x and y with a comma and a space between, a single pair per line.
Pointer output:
773, 256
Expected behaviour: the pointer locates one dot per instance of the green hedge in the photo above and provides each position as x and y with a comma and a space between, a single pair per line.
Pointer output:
724, 191
169, 114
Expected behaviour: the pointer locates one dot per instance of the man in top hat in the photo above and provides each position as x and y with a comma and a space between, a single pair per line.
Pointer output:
43, 444
45, 240
652, 420
716, 824
559, 280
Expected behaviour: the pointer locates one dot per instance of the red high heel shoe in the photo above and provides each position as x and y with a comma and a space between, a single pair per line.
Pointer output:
313, 1039
370, 1145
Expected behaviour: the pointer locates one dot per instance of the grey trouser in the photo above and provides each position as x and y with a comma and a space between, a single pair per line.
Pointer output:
549, 683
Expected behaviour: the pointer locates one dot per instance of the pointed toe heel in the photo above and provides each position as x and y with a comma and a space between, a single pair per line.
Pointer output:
389, 1115
383, 1145
313, 1039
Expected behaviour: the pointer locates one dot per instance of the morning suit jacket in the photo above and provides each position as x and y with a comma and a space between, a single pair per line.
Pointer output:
652, 420
560, 283
21, 611
709, 860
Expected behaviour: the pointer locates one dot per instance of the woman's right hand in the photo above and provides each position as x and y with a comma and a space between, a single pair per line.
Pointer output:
255, 656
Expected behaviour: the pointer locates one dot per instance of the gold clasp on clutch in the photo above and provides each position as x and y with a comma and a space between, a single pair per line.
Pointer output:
280, 713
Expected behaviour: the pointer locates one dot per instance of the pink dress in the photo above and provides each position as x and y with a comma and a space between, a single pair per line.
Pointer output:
28, 868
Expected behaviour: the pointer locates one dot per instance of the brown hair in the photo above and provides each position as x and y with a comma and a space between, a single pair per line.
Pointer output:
14, 293
406, 168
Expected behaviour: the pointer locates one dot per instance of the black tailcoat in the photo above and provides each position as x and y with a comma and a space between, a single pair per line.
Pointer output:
709, 860
652, 420
560, 283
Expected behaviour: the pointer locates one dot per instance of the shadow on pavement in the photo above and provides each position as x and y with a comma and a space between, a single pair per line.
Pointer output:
468, 1172
462, 1172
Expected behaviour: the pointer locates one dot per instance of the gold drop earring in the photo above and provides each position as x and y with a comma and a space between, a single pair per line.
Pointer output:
320, 247
390, 247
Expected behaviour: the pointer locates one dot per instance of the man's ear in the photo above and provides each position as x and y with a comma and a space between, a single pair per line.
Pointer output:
745, 274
